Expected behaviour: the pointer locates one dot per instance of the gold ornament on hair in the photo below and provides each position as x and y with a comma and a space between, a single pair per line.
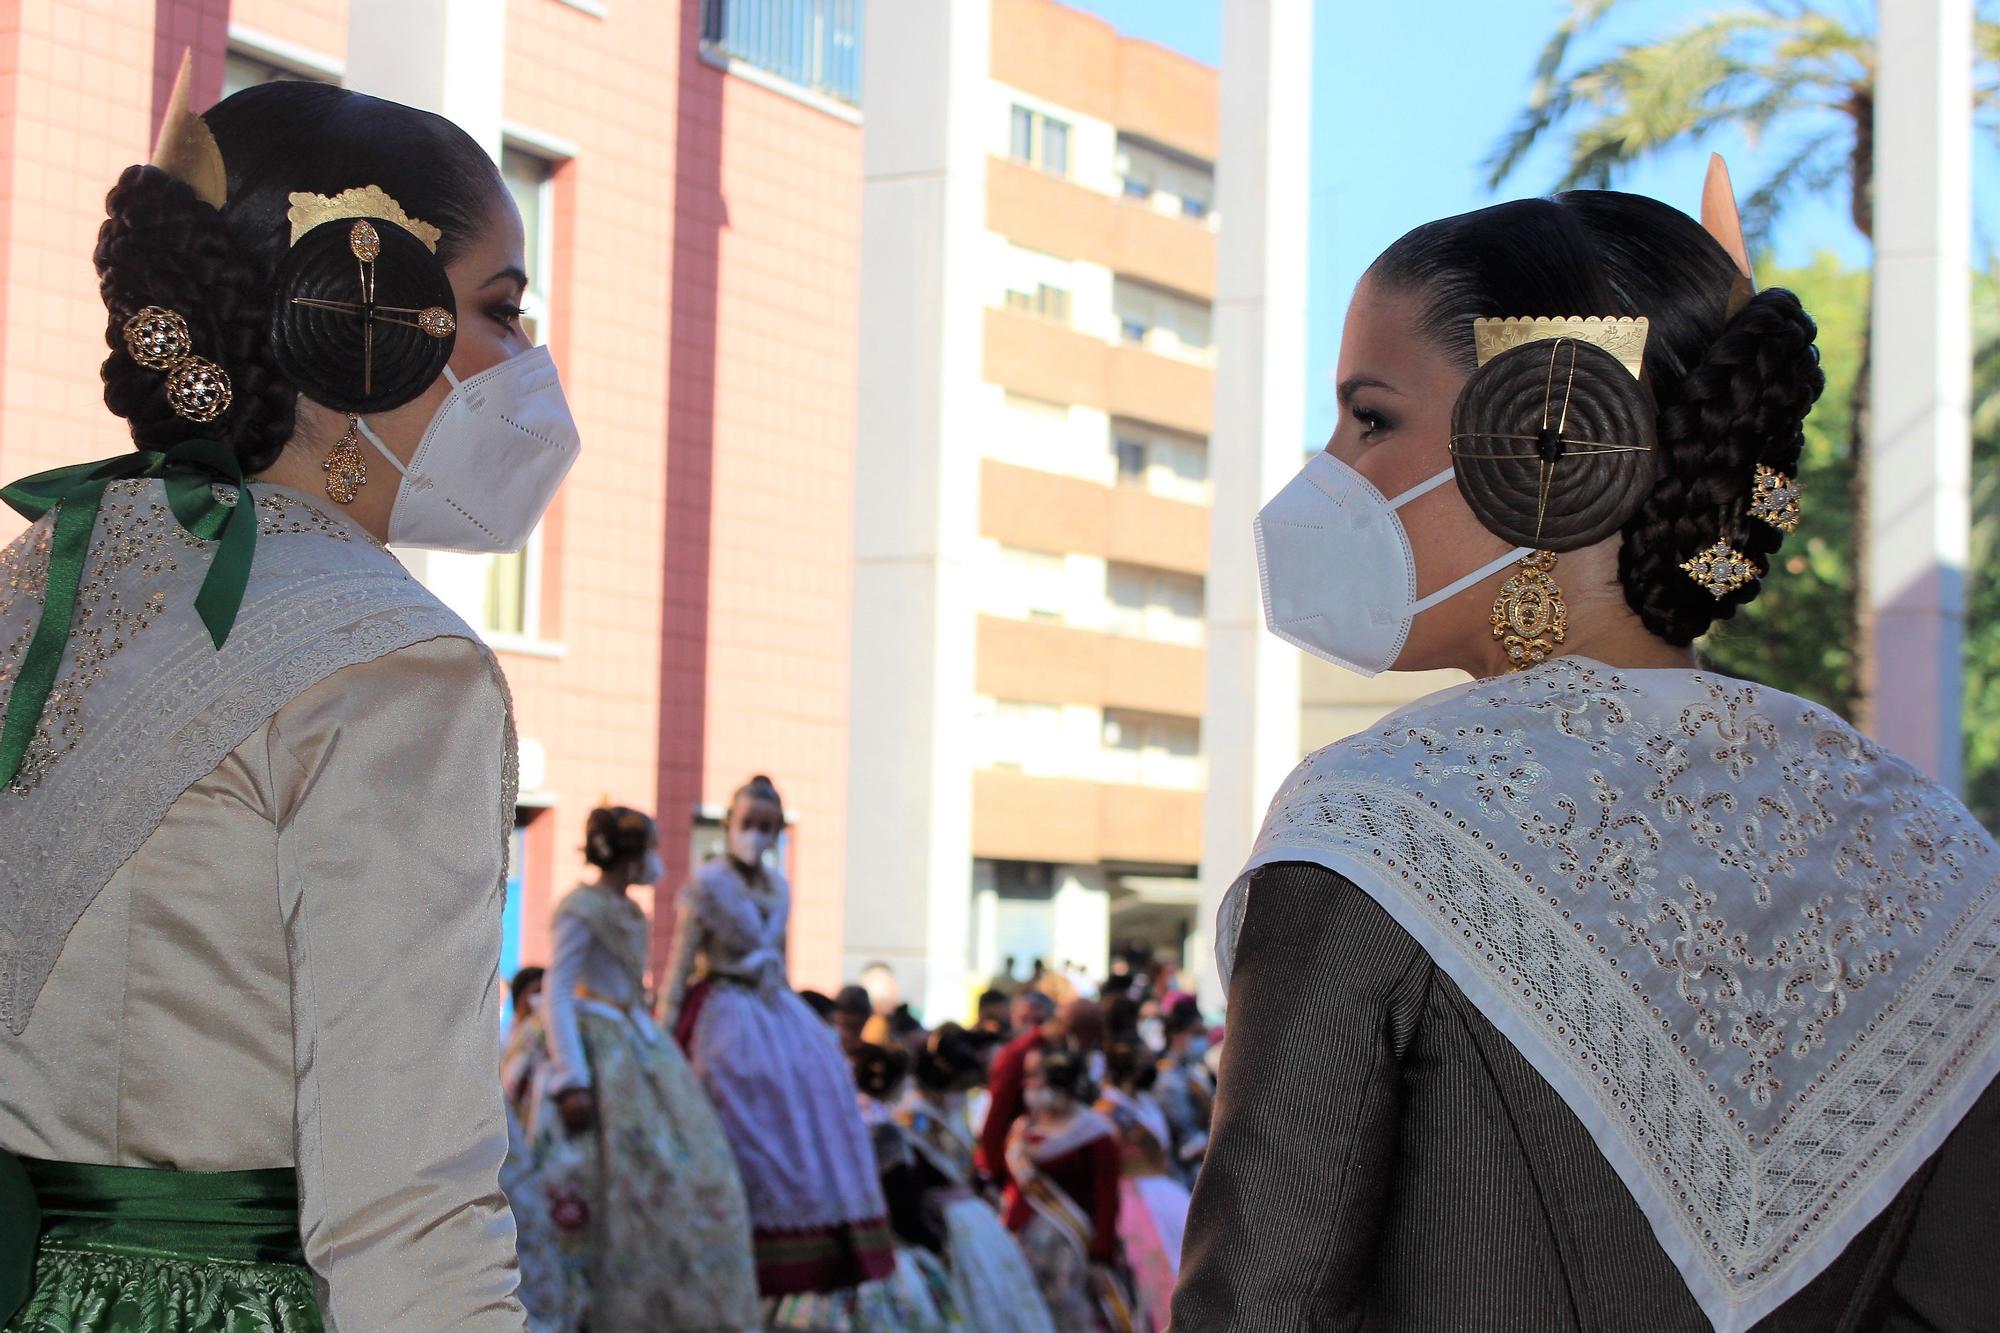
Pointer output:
198, 389
186, 149
1551, 445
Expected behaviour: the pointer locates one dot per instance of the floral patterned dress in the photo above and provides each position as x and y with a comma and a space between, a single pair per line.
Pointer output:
647, 1207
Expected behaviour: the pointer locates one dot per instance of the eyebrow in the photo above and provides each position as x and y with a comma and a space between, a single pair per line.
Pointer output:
1350, 387
508, 272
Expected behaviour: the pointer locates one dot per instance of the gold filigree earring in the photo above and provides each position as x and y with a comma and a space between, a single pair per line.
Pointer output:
1530, 617
346, 466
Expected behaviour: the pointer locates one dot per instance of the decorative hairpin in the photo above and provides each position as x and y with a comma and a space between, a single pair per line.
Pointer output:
186, 150
1774, 499
1721, 569
1722, 219
362, 204
158, 338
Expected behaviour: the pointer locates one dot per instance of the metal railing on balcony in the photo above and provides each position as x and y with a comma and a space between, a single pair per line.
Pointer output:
813, 43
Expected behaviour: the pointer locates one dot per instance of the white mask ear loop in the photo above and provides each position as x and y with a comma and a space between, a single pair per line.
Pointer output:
1421, 488
380, 447
376, 440
1457, 586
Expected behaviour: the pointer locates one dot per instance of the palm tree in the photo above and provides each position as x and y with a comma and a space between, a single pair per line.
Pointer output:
1789, 70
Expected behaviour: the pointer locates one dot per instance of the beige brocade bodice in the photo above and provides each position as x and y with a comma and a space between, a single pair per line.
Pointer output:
298, 969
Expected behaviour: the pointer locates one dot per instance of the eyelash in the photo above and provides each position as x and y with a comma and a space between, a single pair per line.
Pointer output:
1372, 423
506, 316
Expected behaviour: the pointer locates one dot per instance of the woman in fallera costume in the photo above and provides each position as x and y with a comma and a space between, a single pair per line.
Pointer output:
1062, 1196
774, 1071
665, 1235
1152, 1203
258, 783
1602, 991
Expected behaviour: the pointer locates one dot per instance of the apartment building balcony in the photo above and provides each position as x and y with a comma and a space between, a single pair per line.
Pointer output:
1055, 215
1041, 511
1042, 358
1017, 817
1039, 661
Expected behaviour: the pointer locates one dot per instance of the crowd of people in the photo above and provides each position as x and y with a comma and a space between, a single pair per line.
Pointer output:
734, 1154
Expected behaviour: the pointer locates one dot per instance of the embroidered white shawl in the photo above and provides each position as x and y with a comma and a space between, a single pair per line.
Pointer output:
144, 705
1755, 953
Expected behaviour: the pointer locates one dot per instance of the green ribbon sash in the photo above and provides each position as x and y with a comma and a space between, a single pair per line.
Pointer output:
190, 472
239, 1216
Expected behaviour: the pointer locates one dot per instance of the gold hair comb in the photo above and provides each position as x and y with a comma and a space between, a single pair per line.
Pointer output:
186, 150
1624, 338
363, 201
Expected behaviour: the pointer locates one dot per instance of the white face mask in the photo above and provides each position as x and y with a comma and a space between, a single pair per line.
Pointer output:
1040, 1101
748, 847
652, 870
495, 454
1338, 574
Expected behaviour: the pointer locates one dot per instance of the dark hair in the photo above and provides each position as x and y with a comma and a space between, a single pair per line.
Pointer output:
951, 1060
616, 835
818, 1002
854, 1001
759, 788
1063, 1070
1131, 1062
1732, 391
879, 1070
1183, 1015
160, 245
990, 996
525, 978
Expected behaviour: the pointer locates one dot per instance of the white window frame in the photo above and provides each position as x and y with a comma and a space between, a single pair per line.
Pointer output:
292, 57
1038, 123
553, 154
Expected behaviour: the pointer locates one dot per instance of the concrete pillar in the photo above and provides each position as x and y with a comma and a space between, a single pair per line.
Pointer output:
909, 842
1251, 728
447, 56
1921, 385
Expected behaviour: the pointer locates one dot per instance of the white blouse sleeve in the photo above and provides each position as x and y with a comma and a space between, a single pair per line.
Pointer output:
687, 943
568, 1068
390, 788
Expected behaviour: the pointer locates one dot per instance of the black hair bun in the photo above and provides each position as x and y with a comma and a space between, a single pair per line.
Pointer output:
1532, 435
323, 350
616, 835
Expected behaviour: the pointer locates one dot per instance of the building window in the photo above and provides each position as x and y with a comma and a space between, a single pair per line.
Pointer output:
1137, 189
1131, 330
1152, 749
511, 582
1194, 208
247, 69
1046, 301
1131, 458
815, 44
1157, 604
1040, 141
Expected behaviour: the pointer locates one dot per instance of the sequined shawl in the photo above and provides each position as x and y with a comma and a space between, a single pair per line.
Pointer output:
1755, 953
144, 705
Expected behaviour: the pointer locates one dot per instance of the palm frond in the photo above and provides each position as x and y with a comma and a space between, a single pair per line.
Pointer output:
1818, 165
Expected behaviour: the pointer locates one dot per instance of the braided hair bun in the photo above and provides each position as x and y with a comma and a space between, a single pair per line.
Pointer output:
1729, 391
616, 835
1744, 404
218, 269
162, 246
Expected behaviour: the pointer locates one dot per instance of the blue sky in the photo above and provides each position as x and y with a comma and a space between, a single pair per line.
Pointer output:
1410, 98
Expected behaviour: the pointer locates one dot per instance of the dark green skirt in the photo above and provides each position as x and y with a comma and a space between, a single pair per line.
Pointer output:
114, 1249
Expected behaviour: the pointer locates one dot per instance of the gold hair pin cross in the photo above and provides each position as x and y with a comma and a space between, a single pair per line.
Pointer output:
366, 245
1623, 338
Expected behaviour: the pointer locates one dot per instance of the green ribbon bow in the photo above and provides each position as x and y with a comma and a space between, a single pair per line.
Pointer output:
191, 471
